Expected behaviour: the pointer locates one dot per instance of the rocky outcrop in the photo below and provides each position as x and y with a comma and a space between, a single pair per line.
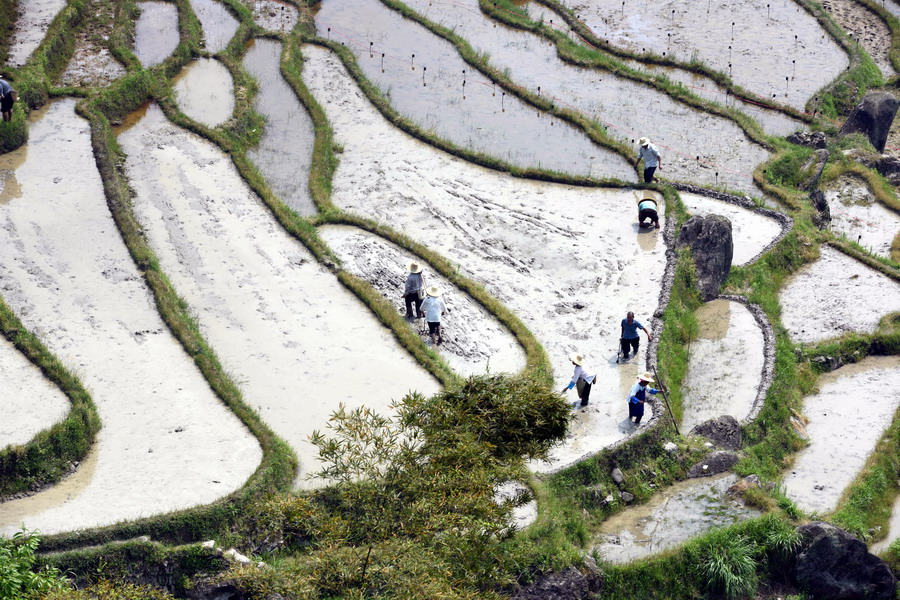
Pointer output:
724, 432
808, 138
571, 584
834, 564
873, 117
812, 170
889, 166
712, 248
715, 463
740, 487
823, 214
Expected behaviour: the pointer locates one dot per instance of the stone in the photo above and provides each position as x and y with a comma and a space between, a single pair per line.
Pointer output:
889, 166
234, 555
626, 497
742, 485
808, 138
833, 564
823, 213
712, 248
812, 170
670, 447
571, 584
715, 463
208, 544
873, 117
723, 431
617, 476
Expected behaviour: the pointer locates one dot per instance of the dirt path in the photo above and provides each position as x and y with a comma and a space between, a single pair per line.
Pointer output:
295, 339
569, 261
474, 342
167, 441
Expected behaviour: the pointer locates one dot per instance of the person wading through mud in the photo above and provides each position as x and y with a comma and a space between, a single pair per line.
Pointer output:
580, 378
630, 338
415, 290
434, 308
8, 97
638, 395
652, 160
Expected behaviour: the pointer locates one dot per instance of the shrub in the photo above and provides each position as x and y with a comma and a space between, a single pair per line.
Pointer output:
18, 581
727, 562
107, 590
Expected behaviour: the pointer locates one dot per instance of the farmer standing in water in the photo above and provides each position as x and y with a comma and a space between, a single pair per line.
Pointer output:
638, 395
630, 338
580, 378
8, 97
652, 160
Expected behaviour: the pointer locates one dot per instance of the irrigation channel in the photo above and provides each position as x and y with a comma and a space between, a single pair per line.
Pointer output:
569, 261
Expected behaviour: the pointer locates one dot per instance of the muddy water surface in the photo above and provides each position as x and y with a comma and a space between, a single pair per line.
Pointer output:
569, 261
696, 146
218, 24
205, 91
763, 42
673, 516
298, 343
91, 65
893, 531
273, 14
429, 89
31, 402
834, 295
31, 26
285, 151
854, 406
474, 342
167, 441
856, 214
725, 364
155, 32
751, 231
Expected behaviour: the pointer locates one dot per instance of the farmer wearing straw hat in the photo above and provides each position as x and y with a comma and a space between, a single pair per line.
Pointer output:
434, 307
415, 290
581, 378
652, 160
647, 210
638, 395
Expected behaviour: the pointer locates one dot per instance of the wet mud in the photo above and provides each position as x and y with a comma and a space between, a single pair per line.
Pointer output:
866, 28
834, 295
284, 153
34, 18
274, 15
31, 402
767, 44
569, 261
474, 343
523, 514
298, 342
218, 24
155, 32
92, 64
673, 516
167, 441
428, 88
856, 214
205, 91
696, 146
852, 409
751, 232
725, 364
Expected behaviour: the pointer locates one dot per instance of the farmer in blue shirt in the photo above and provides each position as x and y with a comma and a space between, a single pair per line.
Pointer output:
630, 338
638, 395
7, 99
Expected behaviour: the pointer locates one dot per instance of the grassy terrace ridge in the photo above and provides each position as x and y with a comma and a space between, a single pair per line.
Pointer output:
46, 458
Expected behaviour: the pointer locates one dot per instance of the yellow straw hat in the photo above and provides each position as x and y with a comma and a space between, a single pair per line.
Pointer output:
646, 376
415, 267
434, 291
576, 358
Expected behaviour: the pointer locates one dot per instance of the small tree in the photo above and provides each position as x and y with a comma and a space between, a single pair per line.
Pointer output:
18, 580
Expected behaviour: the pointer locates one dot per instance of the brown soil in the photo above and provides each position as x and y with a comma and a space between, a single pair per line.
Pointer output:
92, 64
866, 27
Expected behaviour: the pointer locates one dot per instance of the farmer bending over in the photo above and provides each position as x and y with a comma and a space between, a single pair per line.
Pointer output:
8, 97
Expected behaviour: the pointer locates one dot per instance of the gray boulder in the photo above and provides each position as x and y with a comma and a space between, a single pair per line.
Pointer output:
873, 117
835, 565
808, 138
823, 213
813, 168
889, 166
571, 584
723, 431
712, 248
617, 476
715, 463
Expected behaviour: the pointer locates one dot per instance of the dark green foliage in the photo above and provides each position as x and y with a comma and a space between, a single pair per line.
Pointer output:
109, 590
727, 563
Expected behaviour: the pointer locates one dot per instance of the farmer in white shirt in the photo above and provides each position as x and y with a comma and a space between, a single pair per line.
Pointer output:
434, 308
581, 378
652, 160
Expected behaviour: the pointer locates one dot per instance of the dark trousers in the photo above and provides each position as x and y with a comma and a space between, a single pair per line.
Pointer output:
648, 174
410, 300
584, 391
636, 409
648, 213
632, 343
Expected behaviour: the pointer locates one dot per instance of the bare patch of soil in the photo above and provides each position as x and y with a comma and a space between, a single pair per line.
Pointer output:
92, 64
867, 28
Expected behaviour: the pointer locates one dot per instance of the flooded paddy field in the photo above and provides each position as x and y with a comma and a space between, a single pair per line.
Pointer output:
856, 214
751, 232
474, 343
853, 407
167, 441
725, 365
31, 402
155, 32
428, 88
556, 255
696, 146
673, 516
284, 153
836, 294
298, 342
866, 28
767, 45
205, 91
219, 26
274, 15
34, 18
